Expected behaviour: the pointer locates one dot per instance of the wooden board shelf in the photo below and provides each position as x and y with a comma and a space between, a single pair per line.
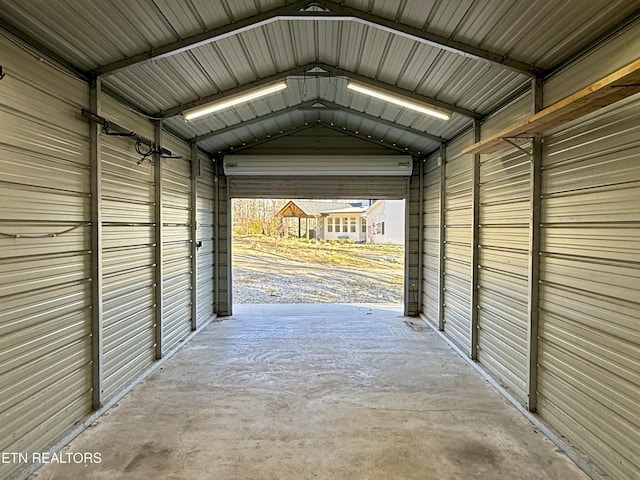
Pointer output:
617, 86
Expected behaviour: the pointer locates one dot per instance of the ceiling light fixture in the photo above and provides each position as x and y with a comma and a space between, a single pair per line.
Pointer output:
401, 102
216, 106
323, 165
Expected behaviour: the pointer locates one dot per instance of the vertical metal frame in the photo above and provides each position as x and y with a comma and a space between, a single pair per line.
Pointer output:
195, 173
229, 272
216, 236
442, 239
475, 245
421, 234
535, 204
97, 363
407, 248
159, 254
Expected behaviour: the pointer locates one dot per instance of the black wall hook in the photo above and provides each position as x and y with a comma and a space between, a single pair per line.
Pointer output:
2, 74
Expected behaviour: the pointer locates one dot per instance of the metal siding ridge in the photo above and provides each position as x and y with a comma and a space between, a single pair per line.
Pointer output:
589, 287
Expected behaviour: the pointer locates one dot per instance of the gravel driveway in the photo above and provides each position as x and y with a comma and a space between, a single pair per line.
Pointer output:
272, 279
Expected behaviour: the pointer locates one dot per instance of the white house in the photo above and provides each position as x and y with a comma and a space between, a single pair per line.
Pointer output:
345, 223
385, 222
382, 222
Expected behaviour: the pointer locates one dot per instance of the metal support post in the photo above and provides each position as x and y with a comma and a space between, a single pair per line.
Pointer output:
195, 173
97, 367
420, 234
534, 256
442, 239
475, 246
216, 236
159, 257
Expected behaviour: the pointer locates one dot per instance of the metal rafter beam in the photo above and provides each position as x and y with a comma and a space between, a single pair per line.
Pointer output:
270, 138
319, 123
361, 136
42, 50
305, 70
432, 39
336, 12
329, 107
201, 39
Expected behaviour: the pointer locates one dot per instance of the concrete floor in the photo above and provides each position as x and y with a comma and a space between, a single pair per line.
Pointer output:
316, 392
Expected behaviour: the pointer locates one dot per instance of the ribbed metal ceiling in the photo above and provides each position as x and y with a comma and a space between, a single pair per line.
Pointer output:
349, 39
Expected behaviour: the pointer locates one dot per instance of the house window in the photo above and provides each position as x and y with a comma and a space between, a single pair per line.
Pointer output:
380, 228
363, 225
330, 225
336, 222
352, 225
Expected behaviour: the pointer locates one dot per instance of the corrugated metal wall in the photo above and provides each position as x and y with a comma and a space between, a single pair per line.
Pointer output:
45, 269
205, 233
458, 205
431, 240
128, 215
503, 268
589, 352
176, 240
588, 379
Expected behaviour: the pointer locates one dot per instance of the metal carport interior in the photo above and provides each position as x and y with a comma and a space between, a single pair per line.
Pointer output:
522, 206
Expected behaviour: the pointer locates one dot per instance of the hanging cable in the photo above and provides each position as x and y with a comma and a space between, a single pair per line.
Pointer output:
43, 235
148, 153
110, 128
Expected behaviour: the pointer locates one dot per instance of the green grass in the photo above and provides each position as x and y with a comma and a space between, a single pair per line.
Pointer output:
347, 255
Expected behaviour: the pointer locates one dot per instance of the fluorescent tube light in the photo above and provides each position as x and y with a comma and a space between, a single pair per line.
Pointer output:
321, 165
232, 101
401, 102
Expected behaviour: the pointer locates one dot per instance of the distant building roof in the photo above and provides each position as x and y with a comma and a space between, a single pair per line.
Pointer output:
346, 210
309, 208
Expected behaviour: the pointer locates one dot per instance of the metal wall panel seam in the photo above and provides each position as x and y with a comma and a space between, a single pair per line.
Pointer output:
442, 234
159, 257
475, 245
195, 173
533, 307
97, 372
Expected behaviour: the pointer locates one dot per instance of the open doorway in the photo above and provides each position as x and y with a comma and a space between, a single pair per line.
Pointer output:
288, 251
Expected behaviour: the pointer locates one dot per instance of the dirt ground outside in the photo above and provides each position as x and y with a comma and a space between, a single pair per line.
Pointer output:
270, 270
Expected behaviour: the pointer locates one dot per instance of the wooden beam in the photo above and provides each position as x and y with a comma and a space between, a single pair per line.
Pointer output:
617, 86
